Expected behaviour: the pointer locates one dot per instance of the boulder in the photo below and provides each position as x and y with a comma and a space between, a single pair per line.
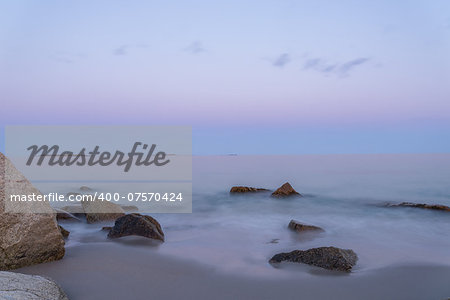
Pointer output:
246, 189
300, 227
137, 224
85, 188
65, 233
29, 233
98, 211
16, 286
285, 190
421, 205
330, 258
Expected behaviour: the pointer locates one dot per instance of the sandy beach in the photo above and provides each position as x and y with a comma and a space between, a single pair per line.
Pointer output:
117, 271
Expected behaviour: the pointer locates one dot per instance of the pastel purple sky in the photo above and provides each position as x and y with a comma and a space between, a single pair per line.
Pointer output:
249, 76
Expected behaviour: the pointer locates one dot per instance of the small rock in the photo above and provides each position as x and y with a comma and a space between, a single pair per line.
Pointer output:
297, 226
99, 211
130, 208
246, 189
421, 205
65, 233
285, 190
330, 258
21, 286
85, 188
106, 228
137, 224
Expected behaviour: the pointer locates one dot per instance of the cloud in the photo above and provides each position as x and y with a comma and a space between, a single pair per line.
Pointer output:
67, 58
282, 60
348, 66
195, 47
122, 50
338, 68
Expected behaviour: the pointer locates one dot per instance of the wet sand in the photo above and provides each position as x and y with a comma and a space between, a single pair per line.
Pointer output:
117, 271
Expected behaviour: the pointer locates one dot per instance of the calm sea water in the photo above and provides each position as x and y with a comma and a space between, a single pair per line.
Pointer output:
343, 196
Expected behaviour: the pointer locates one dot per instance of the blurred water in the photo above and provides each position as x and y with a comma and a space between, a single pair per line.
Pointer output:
241, 233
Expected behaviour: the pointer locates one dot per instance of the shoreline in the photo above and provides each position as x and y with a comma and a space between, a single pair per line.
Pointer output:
115, 271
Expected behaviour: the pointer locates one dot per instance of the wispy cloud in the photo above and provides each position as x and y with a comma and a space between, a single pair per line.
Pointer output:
338, 68
122, 50
67, 58
195, 47
350, 65
282, 60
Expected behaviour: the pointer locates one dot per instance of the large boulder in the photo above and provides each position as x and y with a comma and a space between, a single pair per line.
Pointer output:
99, 211
285, 190
421, 205
246, 189
300, 227
29, 233
137, 224
16, 286
330, 258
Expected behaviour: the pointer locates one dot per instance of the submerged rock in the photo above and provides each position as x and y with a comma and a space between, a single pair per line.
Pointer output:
22, 286
297, 226
85, 188
76, 210
421, 205
26, 237
330, 258
98, 211
246, 189
137, 224
285, 190
65, 233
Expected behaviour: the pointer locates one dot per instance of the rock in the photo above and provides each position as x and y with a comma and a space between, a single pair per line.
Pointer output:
65, 233
285, 190
16, 286
297, 226
99, 211
246, 189
85, 188
330, 258
75, 210
106, 228
421, 205
137, 224
130, 208
64, 215
26, 237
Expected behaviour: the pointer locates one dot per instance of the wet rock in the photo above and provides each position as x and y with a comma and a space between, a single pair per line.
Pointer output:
285, 190
16, 286
106, 228
85, 188
421, 205
99, 211
137, 224
65, 233
330, 258
246, 189
26, 237
300, 227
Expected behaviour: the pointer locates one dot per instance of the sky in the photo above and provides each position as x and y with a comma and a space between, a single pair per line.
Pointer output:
250, 77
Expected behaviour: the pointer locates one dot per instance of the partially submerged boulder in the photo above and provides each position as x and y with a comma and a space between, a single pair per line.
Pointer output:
300, 227
21, 286
246, 189
285, 190
97, 210
137, 224
421, 205
130, 208
330, 258
29, 233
